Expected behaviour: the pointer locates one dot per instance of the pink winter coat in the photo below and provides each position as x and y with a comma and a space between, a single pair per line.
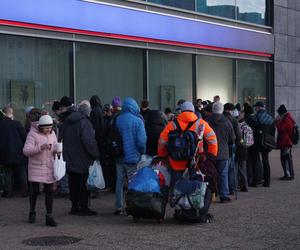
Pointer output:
40, 162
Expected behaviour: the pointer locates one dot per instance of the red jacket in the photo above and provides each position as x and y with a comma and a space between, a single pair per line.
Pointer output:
285, 126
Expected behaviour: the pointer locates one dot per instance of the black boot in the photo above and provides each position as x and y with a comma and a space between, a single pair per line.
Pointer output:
50, 221
31, 217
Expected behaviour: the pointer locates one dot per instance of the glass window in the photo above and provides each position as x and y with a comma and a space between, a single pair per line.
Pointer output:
182, 4
223, 8
170, 79
108, 71
251, 81
33, 72
215, 77
252, 11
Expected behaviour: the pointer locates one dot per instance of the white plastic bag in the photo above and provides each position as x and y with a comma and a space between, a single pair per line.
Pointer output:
96, 179
145, 161
59, 167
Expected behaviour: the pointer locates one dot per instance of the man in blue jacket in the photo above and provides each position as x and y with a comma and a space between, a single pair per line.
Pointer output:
132, 130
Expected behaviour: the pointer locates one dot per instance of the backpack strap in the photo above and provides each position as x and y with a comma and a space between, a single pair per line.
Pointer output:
190, 125
176, 125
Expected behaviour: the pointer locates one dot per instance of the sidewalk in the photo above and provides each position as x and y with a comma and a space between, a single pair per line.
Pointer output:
263, 218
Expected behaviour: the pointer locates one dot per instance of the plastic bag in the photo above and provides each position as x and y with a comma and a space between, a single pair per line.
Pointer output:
96, 179
59, 167
145, 161
145, 180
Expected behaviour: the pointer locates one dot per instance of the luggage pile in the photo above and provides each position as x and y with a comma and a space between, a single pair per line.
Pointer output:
148, 191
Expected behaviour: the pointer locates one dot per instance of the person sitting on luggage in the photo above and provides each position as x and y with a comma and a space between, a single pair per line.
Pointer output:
187, 118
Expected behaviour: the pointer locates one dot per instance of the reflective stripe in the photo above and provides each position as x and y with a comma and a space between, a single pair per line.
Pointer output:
209, 134
162, 141
214, 141
197, 126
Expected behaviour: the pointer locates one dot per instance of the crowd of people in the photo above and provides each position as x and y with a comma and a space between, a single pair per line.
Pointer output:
234, 149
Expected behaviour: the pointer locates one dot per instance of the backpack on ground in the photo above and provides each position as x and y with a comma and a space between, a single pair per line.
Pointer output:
295, 136
115, 141
247, 135
182, 143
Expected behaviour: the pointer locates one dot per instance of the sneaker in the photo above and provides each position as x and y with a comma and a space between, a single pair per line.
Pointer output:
31, 217
50, 221
225, 199
86, 212
120, 212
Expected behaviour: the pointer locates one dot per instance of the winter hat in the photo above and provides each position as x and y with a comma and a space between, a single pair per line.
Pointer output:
218, 108
65, 102
228, 106
45, 121
259, 104
282, 110
187, 106
116, 102
28, 109
107, 107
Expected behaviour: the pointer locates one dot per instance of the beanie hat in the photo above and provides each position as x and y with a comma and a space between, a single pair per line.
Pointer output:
218, 108
65, 102
228, 106
28, 109
116, 102
282, 109
45, 121
187, 106
259, 104
107, 107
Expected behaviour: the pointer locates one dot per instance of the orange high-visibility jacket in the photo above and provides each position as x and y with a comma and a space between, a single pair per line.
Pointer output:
184, 119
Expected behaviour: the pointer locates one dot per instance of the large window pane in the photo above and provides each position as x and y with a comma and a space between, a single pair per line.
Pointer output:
223, 8
108, 71
215, 77
33, 72
182, 4
251, 81
253, 11
170, 78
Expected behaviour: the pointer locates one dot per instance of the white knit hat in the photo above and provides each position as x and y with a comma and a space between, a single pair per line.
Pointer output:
45, 121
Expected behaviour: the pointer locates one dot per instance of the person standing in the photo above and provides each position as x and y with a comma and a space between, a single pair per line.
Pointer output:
40, 148
80, 151
226, 137
12, 139
285, 126
131, 127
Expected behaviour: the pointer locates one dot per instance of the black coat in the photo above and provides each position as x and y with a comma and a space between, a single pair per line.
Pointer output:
154, 124
12, 139
97, 120
79, 144
224, 132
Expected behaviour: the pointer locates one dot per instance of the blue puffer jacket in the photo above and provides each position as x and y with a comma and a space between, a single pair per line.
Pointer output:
132, 129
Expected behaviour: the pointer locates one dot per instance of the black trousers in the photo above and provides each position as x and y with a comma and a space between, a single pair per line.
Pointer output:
253, 166
287, 162
266, 167
15, 174
34, 190
78, 190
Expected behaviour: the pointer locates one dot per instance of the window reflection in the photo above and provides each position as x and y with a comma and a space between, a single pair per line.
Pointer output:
223, 8
252, 11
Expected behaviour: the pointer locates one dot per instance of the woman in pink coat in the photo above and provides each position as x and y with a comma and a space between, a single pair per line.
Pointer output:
40, 149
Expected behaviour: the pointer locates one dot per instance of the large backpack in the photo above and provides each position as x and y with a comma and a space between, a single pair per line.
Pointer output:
247, 135
115, 141
295, 135
182, 143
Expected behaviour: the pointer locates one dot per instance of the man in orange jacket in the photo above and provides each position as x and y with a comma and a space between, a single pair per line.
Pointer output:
202, 129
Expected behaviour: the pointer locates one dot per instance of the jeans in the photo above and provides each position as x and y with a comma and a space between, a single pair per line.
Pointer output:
123, 170
222, 167
287, 162
232, 171
175, 176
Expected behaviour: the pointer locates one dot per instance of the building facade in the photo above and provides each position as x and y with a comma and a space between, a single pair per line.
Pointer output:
162, 50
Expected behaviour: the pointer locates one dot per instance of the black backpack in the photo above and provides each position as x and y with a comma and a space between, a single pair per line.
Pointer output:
295, 136
182, 144
115, 141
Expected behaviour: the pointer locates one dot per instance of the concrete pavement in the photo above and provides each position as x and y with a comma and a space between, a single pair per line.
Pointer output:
263, 218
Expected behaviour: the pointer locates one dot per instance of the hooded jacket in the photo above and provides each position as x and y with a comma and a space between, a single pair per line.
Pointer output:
184, 119
79, 143
131, 126
225, 134
285, 126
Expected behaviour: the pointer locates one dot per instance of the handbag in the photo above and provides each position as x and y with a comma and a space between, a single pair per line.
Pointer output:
95, 178
59, 168
268, 141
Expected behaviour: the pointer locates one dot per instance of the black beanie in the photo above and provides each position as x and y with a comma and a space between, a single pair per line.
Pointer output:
65, 102
281, 110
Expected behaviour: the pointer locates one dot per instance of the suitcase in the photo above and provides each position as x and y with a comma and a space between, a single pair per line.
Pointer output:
191, 213
147, 205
